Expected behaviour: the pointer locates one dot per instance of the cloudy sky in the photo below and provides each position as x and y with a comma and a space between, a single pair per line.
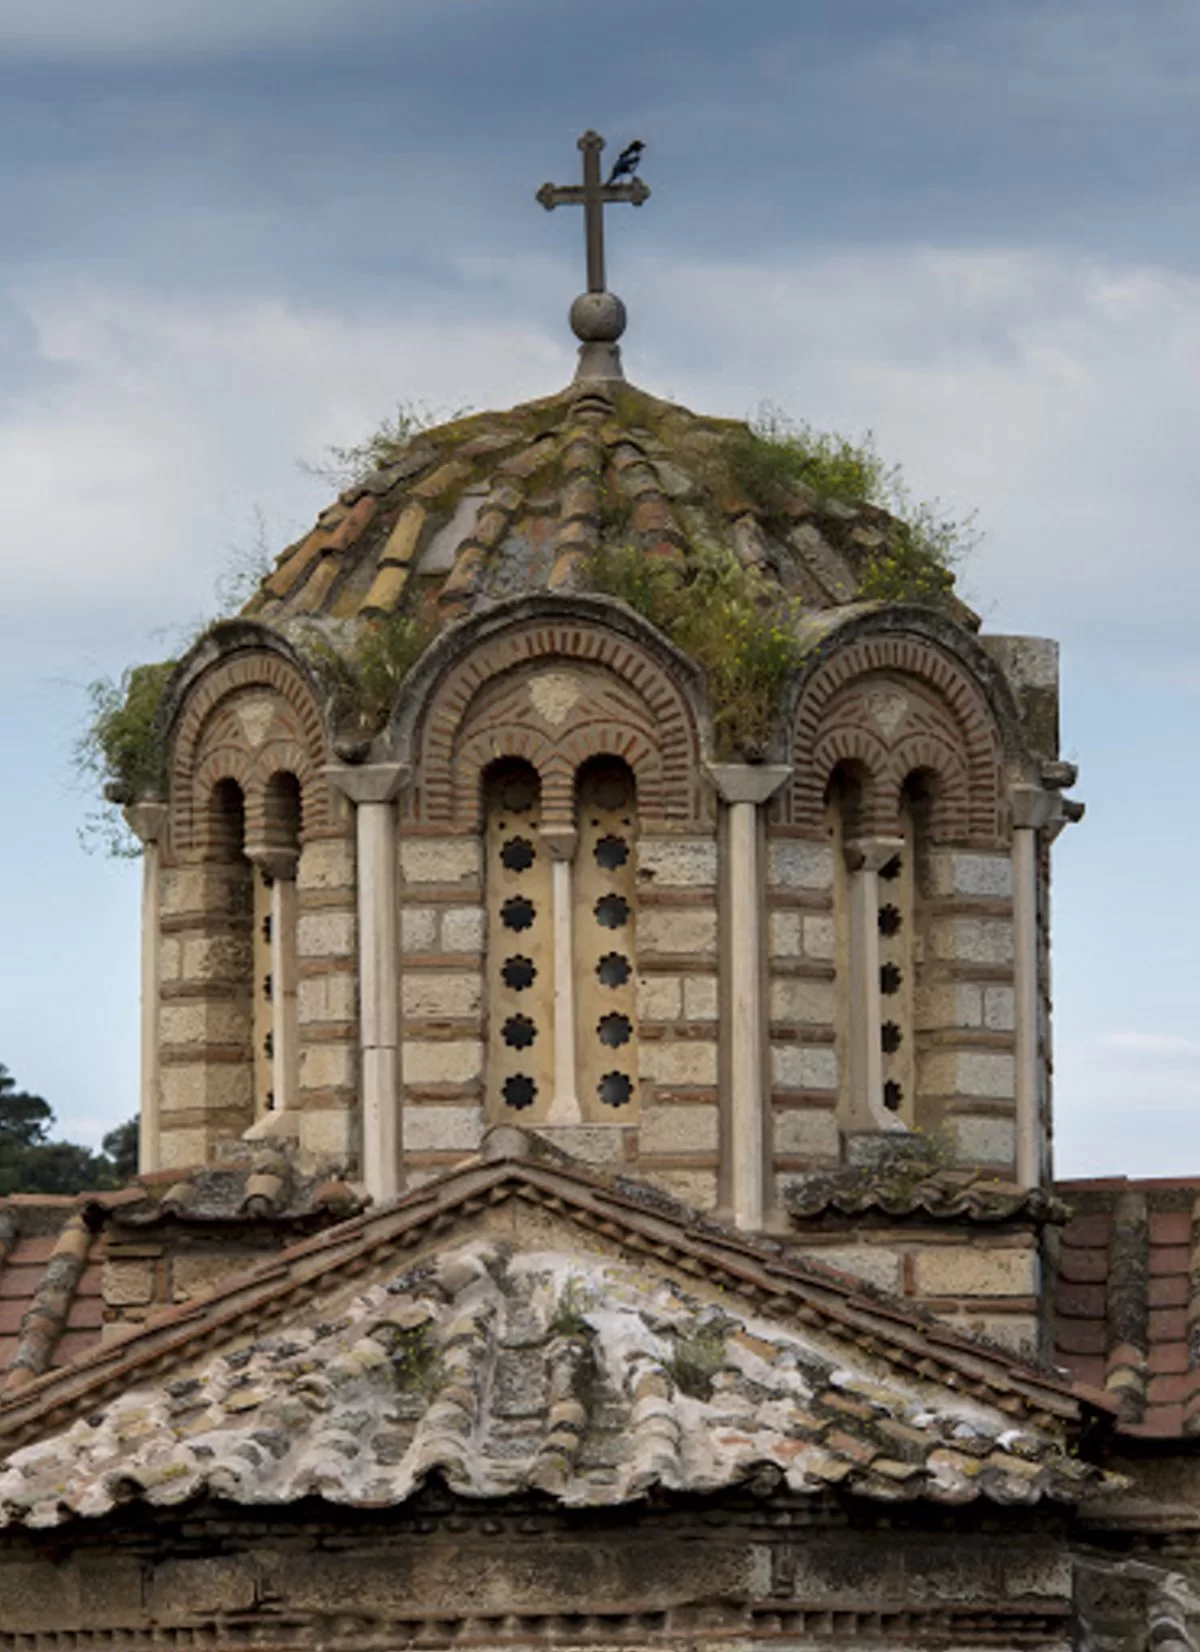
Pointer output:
237, 231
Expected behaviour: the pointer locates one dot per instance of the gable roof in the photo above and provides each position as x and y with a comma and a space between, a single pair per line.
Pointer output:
589, 1380
1005, 1426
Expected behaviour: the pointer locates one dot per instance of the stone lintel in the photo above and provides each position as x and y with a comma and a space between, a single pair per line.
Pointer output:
146, 820
369, 782
748, 782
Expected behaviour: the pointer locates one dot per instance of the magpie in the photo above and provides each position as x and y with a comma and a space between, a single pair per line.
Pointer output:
627, 161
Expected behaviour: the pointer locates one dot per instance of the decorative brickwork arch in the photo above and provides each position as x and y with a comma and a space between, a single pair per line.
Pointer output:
899, 703
555, 693
246, 717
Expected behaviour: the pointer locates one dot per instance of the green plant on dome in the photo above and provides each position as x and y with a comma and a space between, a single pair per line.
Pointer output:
736, 625
774, 461
362, 663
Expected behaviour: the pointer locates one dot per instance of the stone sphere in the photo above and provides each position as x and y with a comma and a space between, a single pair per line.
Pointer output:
598, 318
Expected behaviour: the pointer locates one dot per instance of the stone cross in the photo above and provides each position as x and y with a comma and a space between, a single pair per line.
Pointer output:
593, 196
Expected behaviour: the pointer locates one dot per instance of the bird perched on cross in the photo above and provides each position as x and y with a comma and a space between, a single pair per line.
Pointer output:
627, 162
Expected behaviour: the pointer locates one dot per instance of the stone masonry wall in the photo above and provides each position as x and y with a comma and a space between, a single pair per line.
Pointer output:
802, 1007
442, 929
432, 1575
964, 1009
327, 991
678, 1013
206, 1078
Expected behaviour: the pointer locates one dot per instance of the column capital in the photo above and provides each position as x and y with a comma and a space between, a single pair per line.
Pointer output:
147, 820
870, 854
559, 841
747, 782
1033, 807
369, 782
276, 863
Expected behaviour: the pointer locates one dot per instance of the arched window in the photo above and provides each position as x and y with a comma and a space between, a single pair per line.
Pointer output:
520, 967
605, 942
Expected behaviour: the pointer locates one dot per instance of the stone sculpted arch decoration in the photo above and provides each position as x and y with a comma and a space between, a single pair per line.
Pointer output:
246, 718
899, 704
555, 694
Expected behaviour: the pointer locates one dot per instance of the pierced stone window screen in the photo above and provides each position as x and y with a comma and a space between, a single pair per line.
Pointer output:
236, 920
606, 1042
835, 826
520, 958
897, 975
263, 1010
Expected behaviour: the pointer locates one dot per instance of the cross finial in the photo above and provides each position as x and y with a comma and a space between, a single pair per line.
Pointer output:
598, 316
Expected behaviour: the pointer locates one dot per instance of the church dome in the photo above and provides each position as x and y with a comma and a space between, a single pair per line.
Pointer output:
501, 504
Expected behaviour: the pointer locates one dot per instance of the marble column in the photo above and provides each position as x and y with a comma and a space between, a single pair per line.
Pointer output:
560, 845
744, 788
148, 822
373, 789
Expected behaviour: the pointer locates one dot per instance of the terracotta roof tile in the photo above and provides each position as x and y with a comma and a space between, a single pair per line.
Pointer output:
1128, 1289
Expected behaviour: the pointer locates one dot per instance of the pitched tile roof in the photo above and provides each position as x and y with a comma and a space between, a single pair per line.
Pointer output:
1127, 1298
898, 1343
53, 1249
593, 1381
902, 1188
499, 504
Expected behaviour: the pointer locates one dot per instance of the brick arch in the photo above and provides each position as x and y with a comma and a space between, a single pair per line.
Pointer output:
949, 818
207, 732
655, 733
952, 716
847, 744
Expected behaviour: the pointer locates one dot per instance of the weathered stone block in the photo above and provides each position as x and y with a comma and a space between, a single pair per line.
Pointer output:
877, 1265
807, 1132
984, 877
664, 1062
326, 935
687, 930
968, 1270
677, 862
785, 934
445, 1129
329, 1134
592, 1143
193, 1273
127, 1284
219, 1086
180, 1148
693, 1187
326, 864
327, 1066
999, 1009
820, 937
216, 958
427, 994
194, 1022
700, 998
984, 1073
681, 1129
322, 998
807, 1003
659, 998
178, 1590
804, 1067
437, 1061
795, 864
985, 1141
419, 928
463, 929
440, 859
170, 958
974, 940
